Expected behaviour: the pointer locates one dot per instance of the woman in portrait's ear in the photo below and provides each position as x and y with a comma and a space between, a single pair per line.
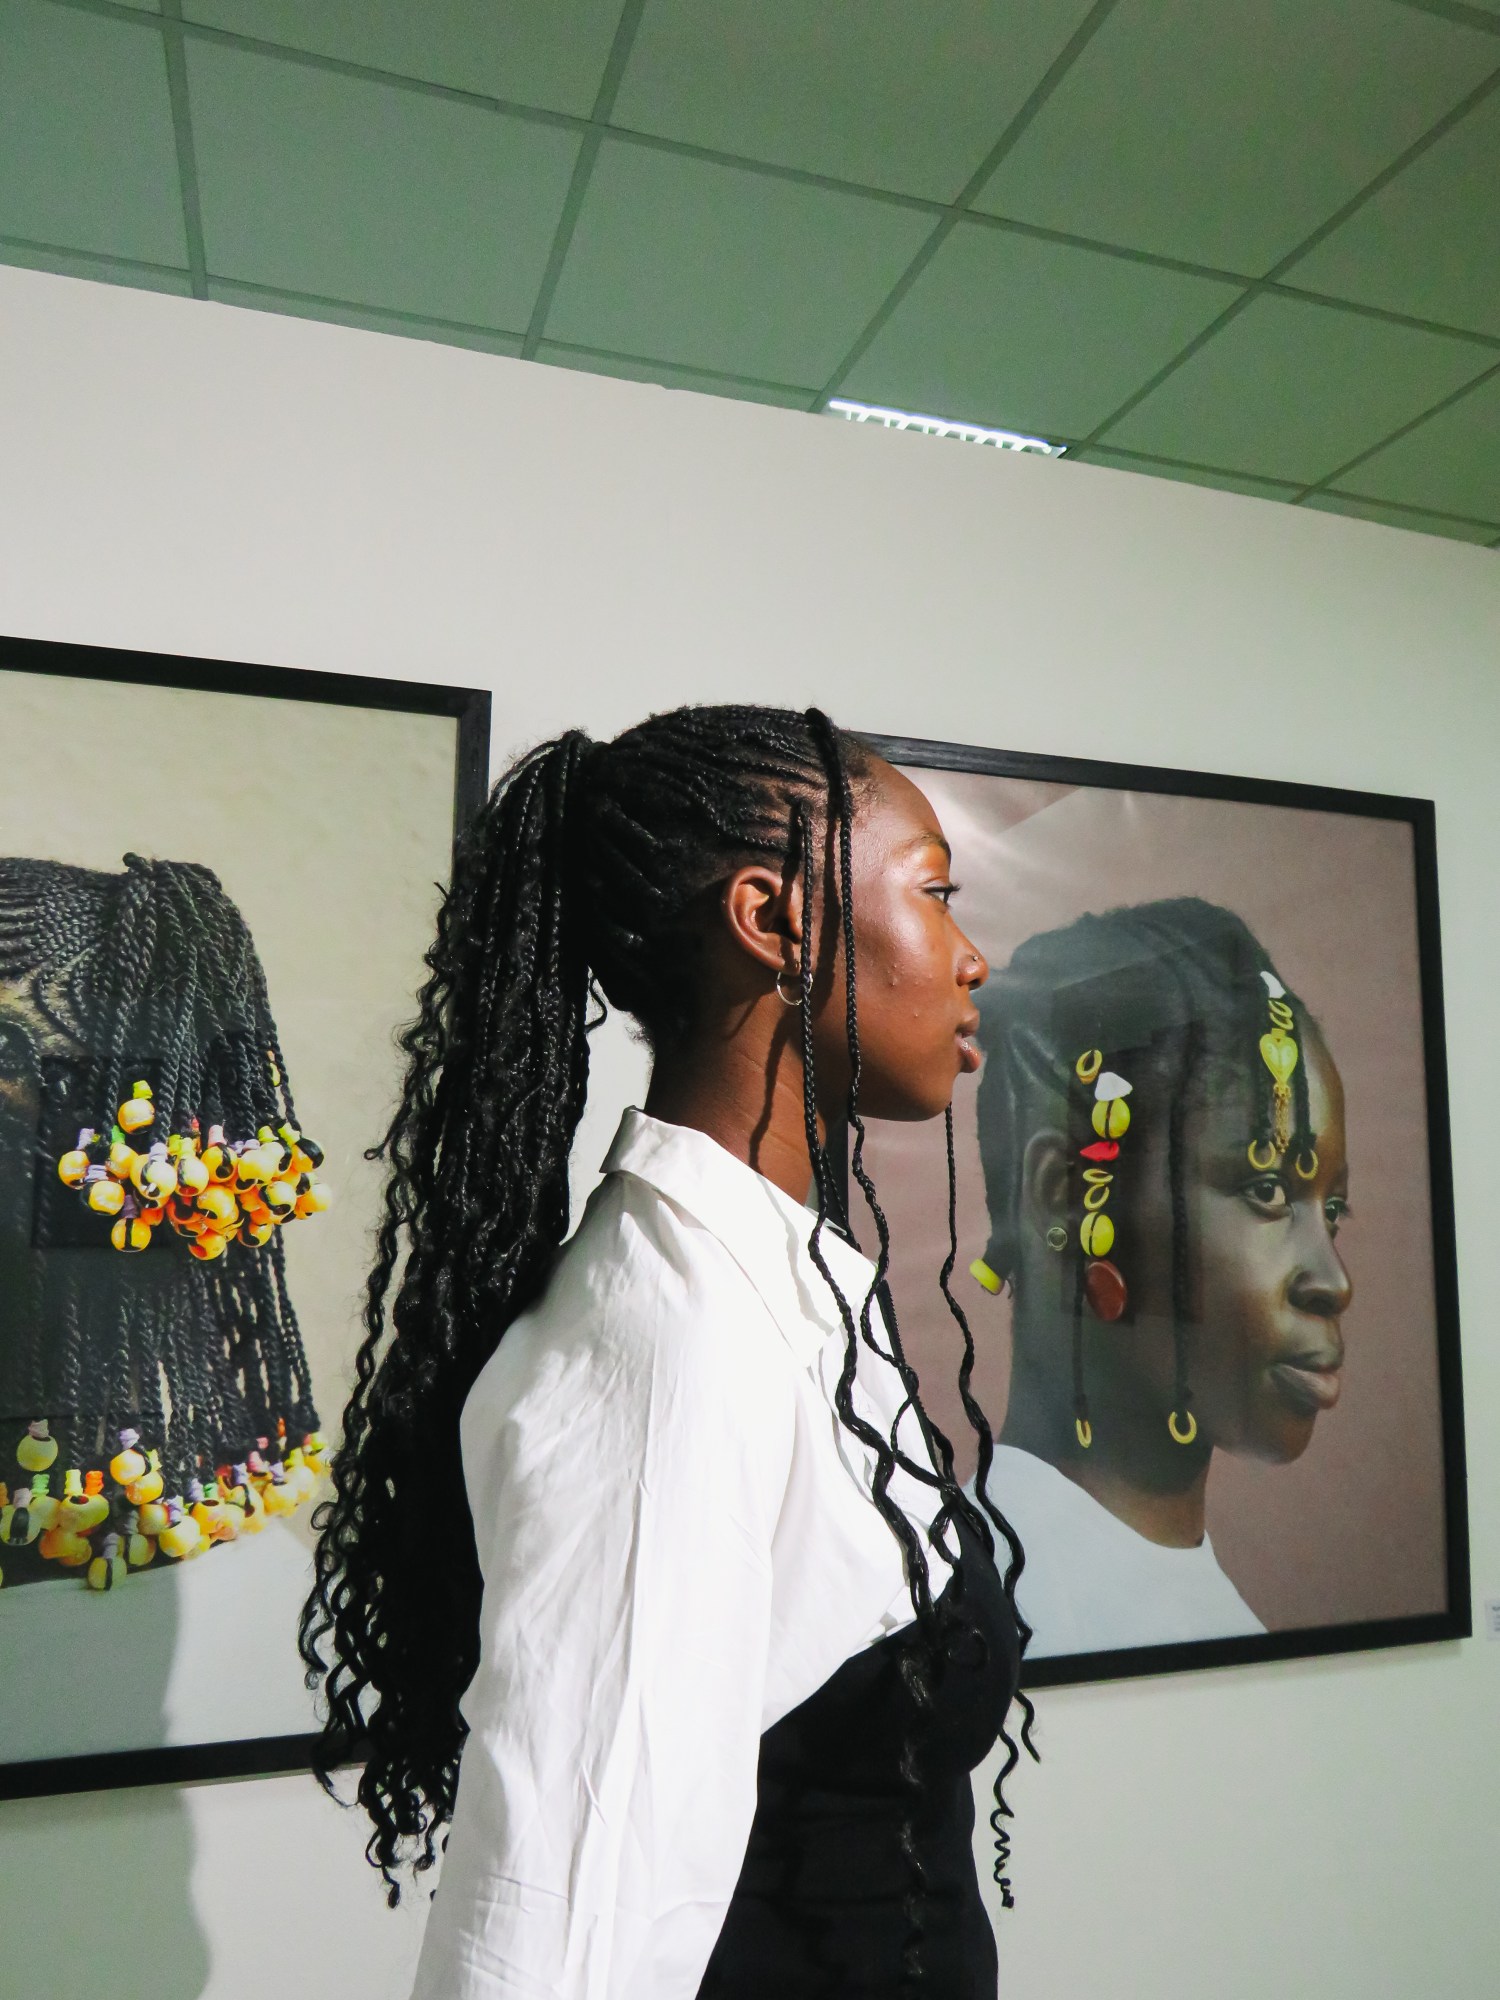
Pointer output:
646, 1569
1161, 1127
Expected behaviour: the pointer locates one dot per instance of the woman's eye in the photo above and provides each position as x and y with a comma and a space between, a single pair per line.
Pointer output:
1268, 1195
1335, 1210
945, 892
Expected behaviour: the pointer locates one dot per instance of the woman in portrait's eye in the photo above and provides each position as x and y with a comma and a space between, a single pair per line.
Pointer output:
1161, 1127
646, 1569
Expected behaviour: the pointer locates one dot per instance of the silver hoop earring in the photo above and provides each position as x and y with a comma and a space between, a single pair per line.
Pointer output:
796, 1000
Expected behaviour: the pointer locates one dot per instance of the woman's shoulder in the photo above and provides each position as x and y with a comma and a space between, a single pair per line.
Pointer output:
641, 1296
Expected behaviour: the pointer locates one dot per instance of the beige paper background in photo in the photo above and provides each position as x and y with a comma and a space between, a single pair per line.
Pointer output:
1354, 1529
331, 828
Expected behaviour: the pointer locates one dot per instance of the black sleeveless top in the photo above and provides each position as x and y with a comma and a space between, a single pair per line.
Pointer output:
821, 1909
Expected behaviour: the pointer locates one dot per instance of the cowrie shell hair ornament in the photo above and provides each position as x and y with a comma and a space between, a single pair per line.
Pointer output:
1274, 986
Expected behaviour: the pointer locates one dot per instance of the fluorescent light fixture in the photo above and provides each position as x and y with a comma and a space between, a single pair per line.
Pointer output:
943, 427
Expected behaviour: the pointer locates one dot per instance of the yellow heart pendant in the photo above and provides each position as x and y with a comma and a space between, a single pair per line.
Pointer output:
1279, 1054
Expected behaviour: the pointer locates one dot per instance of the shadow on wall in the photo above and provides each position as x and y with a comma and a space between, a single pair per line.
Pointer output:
97, 1897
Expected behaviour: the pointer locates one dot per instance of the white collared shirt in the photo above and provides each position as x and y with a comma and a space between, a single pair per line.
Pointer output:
678, 1547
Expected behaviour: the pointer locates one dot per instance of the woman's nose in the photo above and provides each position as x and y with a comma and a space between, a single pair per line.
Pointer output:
1322, 1284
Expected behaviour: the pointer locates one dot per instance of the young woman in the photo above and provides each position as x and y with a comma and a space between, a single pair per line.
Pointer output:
645, 1568
1162, 1133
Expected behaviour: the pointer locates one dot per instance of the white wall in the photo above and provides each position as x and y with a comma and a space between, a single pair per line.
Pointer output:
190, 478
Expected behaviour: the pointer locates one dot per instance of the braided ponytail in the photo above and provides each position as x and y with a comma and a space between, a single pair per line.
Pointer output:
477, 1196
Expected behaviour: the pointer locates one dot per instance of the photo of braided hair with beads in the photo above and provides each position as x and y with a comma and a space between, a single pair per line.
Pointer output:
1176, 1330
582, 885
154, 1390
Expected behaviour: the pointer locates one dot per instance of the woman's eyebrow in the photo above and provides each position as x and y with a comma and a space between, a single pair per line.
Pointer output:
919, 840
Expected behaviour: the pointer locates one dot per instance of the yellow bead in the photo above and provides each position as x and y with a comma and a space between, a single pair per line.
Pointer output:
72, 1167
19, 1526
192, 1174
1111, 1118
1097, 1235
148, 1486
84, 1513
106, 1197
136, 1114
281, 1197
128, 1464
104, 1572
134, 1234
37, 1450
208, 1246
139, 1549
220, 1206
43, 1505
154, 1517
1089, 1065
1279, 1054
180, 1538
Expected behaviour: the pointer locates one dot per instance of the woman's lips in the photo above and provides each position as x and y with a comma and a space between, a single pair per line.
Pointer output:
1308, 1386
969, 1057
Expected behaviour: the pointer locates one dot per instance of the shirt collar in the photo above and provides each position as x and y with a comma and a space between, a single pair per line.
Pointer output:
764, 1230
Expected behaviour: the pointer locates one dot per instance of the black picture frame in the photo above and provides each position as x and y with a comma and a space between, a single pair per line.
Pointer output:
469, 709
1418, 816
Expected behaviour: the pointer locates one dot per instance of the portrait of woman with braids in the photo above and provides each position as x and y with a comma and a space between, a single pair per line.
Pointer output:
1161, 1130
649, 1592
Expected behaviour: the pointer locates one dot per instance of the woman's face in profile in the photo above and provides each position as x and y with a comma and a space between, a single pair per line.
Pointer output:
1267, 1284
1268, 1348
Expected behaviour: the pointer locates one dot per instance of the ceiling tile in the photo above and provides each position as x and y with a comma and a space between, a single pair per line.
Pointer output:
1225, 134
549, 53
1429, 243
315, 182
87, 156
1033, 336
1404, 517
100, 270
877, 91
714, 267
625, 369
1191, 475
1293, 391
1452, 462
410, 326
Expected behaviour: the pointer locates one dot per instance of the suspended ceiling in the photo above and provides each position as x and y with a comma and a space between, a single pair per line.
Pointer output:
1249, 243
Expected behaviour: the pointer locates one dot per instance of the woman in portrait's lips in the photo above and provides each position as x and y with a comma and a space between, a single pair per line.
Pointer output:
1161, 1125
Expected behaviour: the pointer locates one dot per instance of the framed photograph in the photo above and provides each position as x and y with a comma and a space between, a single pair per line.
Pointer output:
1204, 1212
217, 884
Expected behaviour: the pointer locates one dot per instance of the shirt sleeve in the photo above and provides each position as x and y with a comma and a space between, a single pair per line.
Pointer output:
625, 1484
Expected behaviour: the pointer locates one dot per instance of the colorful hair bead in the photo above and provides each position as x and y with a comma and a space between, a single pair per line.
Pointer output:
37, 1450
108, 1567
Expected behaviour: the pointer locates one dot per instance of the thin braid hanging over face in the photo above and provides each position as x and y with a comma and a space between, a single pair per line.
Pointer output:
590, 877
136, 1022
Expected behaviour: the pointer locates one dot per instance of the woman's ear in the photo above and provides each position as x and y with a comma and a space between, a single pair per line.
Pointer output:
763, 916
1044, 1182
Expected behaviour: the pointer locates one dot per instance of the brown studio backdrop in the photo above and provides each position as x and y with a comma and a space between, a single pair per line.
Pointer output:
330, 827
1355, 1529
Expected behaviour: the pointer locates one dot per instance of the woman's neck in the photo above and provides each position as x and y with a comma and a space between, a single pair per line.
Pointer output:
745, 1096
1140, 1482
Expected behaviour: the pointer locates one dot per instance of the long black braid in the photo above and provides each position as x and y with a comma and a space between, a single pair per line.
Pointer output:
589, 873
106, 978
1160, 989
